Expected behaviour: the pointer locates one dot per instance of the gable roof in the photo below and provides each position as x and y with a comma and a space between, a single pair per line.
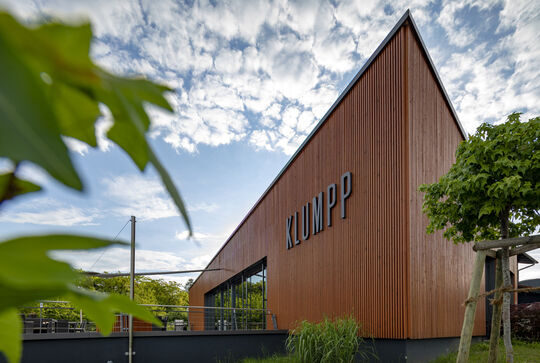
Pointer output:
406, 19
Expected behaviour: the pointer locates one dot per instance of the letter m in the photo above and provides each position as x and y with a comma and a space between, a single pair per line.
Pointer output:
318, 213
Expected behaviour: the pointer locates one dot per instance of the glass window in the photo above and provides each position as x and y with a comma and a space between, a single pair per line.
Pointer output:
240, 303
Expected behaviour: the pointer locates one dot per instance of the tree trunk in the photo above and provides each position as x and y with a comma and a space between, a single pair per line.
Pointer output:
496, 314
507, 283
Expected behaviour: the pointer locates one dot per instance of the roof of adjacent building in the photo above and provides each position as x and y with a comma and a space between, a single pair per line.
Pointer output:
526, 258
531, 282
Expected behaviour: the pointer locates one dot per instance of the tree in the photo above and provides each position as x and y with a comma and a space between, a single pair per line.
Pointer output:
147, 291
50, 90
188, 284
492, 191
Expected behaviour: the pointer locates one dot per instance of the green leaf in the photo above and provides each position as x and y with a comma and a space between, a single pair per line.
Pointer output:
101, 308
24, 262
10, 335
59, 54
174, 193
66, 45
13, 296
28, 129
125, 99
11, 186
77, 113
495, 176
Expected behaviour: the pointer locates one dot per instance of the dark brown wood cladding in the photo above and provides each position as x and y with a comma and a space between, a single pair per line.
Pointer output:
392, 131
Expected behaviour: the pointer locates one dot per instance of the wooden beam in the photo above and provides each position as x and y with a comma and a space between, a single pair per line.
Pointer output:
470, 309
507, 282
507, 242
523, 249
496, 316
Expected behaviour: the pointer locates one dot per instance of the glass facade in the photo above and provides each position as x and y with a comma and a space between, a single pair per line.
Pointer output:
240, 302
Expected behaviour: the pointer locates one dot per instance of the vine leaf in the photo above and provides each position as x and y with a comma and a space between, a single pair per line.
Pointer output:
10, 335
54, 89
11, 186
26, 270
28, 127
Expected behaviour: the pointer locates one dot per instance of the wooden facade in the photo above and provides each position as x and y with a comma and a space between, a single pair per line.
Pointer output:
393, 129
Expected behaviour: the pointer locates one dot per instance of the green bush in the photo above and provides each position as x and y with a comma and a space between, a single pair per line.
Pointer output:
328, 341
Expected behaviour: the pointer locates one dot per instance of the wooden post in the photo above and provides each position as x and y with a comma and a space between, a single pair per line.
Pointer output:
506, 306
470, 309
496, 315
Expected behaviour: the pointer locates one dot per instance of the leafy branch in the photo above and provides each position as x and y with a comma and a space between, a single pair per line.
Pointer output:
50, 90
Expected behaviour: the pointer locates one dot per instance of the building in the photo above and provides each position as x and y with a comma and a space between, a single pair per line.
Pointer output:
341, 231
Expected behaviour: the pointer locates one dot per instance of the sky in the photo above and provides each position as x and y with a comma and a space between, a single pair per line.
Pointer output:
251, 79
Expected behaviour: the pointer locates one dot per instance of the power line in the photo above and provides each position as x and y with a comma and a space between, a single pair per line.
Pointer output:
110, 275
114, 239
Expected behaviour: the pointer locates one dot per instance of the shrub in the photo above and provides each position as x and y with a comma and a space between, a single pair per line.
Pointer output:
526, 321
328, 341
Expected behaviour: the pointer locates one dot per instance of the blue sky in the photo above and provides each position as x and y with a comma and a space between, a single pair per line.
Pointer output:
251, 79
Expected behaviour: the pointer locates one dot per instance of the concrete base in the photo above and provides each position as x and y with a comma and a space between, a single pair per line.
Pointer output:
152, 347
204, 346
412, 350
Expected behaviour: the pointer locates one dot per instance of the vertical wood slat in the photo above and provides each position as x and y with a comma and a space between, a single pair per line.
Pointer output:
440, 271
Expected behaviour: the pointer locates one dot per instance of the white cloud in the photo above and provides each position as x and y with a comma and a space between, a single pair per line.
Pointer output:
47, 211
207, 240
261, 141
458, 33
335, 52
75, 145
116, 259
180, 143
103, 125
31, 172
184, 236
490, 81
145, 197
137, 195
230, 60
203, 206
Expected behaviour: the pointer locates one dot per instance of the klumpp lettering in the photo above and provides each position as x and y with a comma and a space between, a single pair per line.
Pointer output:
317, 207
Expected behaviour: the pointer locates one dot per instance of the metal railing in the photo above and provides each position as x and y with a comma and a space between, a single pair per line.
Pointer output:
59, 317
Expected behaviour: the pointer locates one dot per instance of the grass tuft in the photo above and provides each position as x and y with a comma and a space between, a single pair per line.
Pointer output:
524, 352
326, 342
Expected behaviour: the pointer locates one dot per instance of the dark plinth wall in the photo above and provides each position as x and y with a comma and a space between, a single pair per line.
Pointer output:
393, 128
152, 347
203, 347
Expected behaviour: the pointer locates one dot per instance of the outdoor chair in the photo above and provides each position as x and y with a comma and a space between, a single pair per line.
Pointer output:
62, 326
81, 327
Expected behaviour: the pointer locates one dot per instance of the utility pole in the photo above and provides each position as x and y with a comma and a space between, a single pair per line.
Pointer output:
131, 288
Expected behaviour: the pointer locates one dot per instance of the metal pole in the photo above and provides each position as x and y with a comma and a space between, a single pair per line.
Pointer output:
131, 288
